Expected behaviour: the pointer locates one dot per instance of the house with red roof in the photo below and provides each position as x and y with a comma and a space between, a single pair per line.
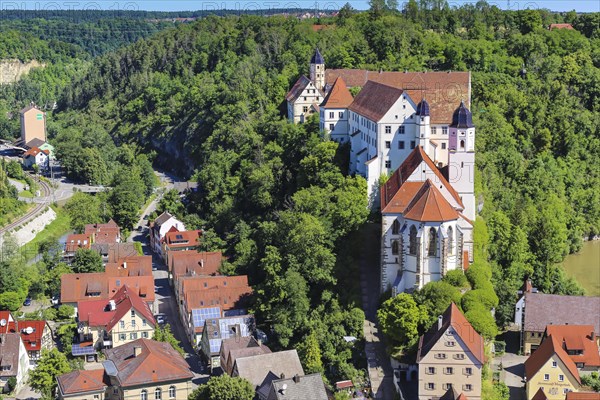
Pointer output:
160, 227
110, 323
104, 233
82, 385
334, 111
36, 156
179, 241
14, 359
450, 358
551, 371
188, 263
579, 342
35, 335
560, 26
77, 241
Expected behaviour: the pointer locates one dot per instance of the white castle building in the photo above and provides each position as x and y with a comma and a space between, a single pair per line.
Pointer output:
417, 127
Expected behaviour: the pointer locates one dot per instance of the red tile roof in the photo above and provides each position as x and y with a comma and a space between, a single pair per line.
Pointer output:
33, 340
130, 266
561, 26
399, 177
98, 314
549, 347
34, 151
226, 298
80, 287
429, 205
192, 283
339, 96
583, 396
577, 337
82, 381
182, 239
453, 317
188, 262
443, 90
104, 233
157, 362
375, 100
142, 285
78, 241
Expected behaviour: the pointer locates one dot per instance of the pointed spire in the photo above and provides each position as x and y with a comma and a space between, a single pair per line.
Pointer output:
317, 58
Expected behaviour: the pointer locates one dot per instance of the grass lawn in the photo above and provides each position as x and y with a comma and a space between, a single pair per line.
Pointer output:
53, 230
26, 193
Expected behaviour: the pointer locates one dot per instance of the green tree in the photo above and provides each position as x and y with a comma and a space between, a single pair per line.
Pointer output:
224, 387
65, 312
87, 260
164, 334
310, 354
400, 318
43, 378
436, 297
83, 208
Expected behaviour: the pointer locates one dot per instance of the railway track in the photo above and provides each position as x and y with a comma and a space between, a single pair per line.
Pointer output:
45, 189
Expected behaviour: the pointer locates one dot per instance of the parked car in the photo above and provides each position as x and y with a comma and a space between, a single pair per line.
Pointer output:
161, 319
27, 301
55, 300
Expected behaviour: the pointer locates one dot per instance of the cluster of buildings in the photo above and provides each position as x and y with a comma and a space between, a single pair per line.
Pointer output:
412, 137
33, 138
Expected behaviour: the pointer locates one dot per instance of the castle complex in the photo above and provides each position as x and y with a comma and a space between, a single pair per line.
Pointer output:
417, 127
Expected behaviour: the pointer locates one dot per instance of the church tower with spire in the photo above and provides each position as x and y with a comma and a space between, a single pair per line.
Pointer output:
461, 158
317, 70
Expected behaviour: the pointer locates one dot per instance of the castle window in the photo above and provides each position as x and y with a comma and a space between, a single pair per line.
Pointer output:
462, 144
450, 240
395, 227
401, 145
443, 146
157, 394
144, 395
433, 130
331, 114
304, 109
395, 247
401, 129
331, 127
433, 242
412, 144
388, 129
444, 130
172, 392
388, 164
341, 114
413, 241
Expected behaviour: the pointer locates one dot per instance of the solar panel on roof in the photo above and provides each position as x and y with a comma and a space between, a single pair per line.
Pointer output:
78, 350
202, 314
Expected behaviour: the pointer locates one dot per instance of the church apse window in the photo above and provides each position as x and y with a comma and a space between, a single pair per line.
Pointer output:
413, 241
462, 144
433, 242
395, 247
395, 227
450, 240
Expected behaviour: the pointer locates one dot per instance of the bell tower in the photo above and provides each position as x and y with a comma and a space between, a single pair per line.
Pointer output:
317, 70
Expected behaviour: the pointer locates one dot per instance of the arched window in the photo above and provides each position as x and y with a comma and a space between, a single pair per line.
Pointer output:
413, 240
433, 242
395, 227
395, 247
157, 394
462, 144
172, 392
450, 240
144, 395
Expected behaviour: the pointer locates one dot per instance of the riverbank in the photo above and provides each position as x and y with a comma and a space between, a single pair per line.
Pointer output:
584, 267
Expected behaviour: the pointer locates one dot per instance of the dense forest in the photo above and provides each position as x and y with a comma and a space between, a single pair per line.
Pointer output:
205, 99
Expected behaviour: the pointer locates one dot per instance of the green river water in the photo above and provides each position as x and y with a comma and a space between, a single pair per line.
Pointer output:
585, 267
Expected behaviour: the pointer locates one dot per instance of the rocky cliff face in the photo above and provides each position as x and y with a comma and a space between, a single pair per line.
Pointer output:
12, 70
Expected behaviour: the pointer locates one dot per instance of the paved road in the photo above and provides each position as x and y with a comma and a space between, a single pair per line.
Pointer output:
380, 369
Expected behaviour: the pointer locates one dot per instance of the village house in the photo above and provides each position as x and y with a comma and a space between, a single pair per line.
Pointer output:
261, 370
450, 357
180, 241
113, 252
40, 144
14, 360
130, 266
35, 335
193, 263
159, 228
218, 329
304, 97
579, 342
35, 156
76, 241
82, 385
33, 124
239, 347
551, 371
297, 388
122, 319
201, 298
538, 310
141, 369
104, 233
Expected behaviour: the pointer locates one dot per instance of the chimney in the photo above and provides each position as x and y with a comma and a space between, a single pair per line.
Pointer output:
283, 389
124, 264
137, 351
282, 376
202, 263
440, 322
296, 378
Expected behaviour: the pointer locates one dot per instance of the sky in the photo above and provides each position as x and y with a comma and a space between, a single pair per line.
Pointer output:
193, 5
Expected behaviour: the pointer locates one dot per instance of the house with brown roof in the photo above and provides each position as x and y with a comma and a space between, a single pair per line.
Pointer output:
234, 348
122, 319
203, 297
82, 385
145, 369
579, 342
261, 370
104, 233
540, 310
334, 111
193, 263
180, 241
159, 228
216, 330
560, 26
550, 370
36, 156
76, 241
33, 124
450, 356
424, 233
130, 266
